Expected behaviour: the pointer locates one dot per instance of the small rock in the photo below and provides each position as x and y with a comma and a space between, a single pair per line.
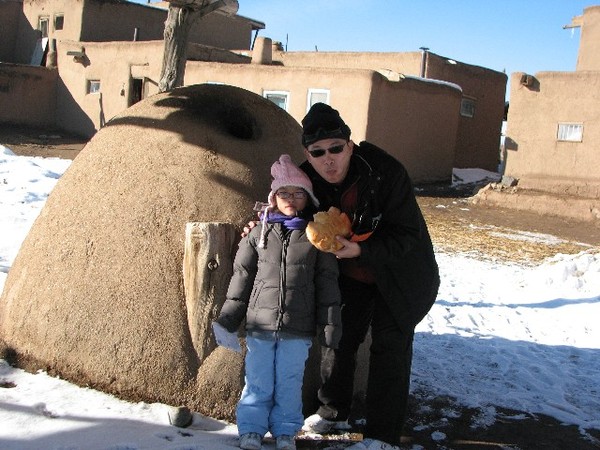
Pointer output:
180, 416
509, 181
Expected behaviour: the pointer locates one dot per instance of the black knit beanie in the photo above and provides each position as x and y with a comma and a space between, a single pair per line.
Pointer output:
323, 122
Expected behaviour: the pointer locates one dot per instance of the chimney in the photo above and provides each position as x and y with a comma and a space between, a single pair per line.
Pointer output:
263, 51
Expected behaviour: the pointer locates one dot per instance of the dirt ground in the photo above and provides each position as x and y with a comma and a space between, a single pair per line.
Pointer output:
456, 224
27, 141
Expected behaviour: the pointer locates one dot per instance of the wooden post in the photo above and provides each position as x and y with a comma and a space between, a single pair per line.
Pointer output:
180, 18
207, 269
177, 28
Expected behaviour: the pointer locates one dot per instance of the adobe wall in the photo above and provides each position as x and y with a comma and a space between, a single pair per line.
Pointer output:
209, 31
10, 12
349, 94
407, 63
589, 44
27, 95
72, 10
200, 52
106, 21
32, 10
114, 63
402, 116
478, 138
534, 155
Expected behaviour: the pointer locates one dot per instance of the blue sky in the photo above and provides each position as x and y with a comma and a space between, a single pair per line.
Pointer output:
503, 35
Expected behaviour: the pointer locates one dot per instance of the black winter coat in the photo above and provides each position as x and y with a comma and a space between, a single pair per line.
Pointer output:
289, 286
399, 252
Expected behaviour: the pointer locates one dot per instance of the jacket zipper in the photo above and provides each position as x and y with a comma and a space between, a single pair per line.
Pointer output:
282, 277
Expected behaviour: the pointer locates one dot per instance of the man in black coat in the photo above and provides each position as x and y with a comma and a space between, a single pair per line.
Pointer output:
389, 277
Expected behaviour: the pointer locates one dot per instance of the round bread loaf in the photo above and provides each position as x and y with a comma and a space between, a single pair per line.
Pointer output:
326, 226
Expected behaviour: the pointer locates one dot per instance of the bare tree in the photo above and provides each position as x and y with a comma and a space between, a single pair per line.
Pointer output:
181, 16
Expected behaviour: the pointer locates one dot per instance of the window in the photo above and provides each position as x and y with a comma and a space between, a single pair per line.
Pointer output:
280, 98
59, 22
317, 96
43, 22
571, 132
467, 107
93, 86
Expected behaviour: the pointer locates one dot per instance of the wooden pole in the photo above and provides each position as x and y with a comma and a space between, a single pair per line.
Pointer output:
207, 269
177, 28
180, 18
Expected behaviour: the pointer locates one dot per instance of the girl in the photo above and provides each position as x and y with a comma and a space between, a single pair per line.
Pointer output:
287, 291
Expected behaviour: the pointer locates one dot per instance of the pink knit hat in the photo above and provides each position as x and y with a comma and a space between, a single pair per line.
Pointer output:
286, 173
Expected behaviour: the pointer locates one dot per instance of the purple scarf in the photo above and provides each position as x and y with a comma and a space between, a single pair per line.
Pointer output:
290, 222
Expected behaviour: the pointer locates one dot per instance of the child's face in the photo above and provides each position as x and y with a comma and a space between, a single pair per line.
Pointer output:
295, 201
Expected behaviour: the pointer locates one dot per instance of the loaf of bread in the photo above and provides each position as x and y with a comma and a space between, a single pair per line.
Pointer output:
326, 226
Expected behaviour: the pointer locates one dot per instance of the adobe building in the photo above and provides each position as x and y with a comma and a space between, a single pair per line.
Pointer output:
115, 20
395, 112
46, 38
553, 132
482, 93
432, 126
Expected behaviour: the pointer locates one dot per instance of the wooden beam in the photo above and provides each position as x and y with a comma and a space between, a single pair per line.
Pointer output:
207, 269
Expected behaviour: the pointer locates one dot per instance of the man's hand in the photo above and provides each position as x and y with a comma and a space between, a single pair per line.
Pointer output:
248, 227
349, 249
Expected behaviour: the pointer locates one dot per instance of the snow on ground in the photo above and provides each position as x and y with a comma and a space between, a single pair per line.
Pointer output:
499, 335
469, 176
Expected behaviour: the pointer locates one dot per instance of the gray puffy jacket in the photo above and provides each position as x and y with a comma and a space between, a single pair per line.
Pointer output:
289, 286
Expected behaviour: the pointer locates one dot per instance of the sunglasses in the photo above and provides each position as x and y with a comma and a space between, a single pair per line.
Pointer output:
286, 195
317, 153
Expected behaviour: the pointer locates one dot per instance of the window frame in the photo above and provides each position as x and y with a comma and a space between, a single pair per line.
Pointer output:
93, 82
266, 93
62, 24
569, 132
469, 111
46, 20
311, 91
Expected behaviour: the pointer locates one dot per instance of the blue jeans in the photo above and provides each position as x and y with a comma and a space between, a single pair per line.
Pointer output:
272, 397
